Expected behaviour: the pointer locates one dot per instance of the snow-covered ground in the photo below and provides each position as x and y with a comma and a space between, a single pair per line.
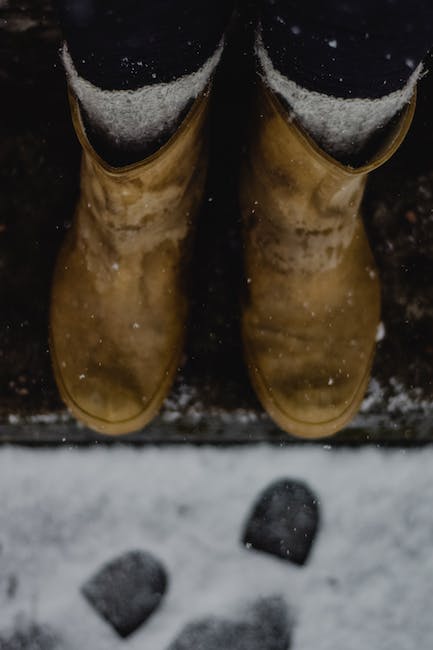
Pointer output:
368, 584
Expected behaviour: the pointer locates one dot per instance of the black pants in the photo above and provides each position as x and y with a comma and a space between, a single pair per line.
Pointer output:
345, 48
348, 48
126, 44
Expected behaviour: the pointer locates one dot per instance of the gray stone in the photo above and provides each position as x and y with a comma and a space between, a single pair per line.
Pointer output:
266, 627
284, 521
127, 590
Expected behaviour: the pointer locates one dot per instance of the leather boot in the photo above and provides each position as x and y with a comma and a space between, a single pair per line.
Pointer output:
119, 299
312, 292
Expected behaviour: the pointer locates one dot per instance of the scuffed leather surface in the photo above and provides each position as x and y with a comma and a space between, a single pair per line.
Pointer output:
312, 292
119, 296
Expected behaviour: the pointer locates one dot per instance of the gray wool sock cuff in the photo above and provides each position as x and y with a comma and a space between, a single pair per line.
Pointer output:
136, 118
341, 126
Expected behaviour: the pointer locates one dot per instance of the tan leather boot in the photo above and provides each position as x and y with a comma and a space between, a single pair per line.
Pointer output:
119, 301
312, 294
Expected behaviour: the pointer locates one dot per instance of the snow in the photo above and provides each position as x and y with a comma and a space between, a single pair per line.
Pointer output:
407, 401
384, 405
381, 332
16, 23
368, 583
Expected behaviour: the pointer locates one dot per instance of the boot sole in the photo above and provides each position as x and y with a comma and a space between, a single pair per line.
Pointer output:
123, 427
299, 428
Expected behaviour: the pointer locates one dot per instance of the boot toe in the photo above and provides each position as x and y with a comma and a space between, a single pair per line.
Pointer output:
110, 402
319, 412
314, 408
104, 399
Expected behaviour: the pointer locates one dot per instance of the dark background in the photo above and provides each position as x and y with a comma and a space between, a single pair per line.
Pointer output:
212, 399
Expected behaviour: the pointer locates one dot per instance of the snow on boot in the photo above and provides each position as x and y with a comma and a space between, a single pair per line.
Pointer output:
312, 292
119, 301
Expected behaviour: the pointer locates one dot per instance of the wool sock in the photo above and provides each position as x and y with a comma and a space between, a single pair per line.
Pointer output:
127, 125
341, 126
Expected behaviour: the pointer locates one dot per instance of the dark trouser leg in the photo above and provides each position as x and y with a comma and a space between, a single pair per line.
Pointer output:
346, 49
164, 49
127, 44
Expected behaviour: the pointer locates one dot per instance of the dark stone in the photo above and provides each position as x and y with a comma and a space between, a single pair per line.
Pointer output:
127, 590
284, 521
29, 637
267, 627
